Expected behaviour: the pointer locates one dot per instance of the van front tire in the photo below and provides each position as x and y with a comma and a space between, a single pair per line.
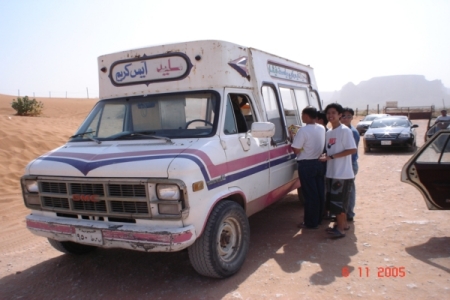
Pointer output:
221, 250
71, 247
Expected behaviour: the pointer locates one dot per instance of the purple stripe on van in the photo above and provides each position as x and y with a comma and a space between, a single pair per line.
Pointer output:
237, 169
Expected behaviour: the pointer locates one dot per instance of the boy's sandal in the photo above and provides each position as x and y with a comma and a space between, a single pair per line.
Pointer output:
335, 233
330, 229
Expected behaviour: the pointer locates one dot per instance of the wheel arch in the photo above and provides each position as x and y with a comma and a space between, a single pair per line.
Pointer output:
235, 195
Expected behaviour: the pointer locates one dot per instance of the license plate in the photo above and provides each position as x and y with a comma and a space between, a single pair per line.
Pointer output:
386, 142
89, 236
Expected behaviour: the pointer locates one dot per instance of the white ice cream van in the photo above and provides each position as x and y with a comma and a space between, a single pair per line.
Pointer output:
186, 142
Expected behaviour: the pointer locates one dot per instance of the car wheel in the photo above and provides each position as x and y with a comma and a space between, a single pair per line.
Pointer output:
413, 148
221, 250
366, 149
71, 247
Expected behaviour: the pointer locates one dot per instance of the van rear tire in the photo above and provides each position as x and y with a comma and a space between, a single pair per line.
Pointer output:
221, 250
71, 247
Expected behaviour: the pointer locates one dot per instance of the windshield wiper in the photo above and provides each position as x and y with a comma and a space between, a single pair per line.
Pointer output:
133, 134
89, 137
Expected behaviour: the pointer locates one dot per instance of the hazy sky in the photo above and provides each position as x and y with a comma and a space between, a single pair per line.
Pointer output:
52, 46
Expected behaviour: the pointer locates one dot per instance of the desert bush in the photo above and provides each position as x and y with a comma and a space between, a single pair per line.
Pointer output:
27, 107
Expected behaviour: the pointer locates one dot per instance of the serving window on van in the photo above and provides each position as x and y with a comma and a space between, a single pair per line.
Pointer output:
179, 115
315, 100
273, 111
294, 101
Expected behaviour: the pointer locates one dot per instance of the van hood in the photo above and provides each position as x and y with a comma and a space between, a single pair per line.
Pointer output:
110, 159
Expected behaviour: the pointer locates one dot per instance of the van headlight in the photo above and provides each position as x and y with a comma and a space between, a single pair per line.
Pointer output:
168, 191
30, 190
31, 186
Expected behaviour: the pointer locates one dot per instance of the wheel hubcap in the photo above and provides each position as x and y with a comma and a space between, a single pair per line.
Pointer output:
228, 240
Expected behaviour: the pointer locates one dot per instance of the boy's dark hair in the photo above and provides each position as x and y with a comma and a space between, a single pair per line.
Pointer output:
322, 116
311, 111
348, 109
336, 106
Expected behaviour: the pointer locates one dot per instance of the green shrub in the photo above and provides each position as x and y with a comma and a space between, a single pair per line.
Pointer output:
27, 107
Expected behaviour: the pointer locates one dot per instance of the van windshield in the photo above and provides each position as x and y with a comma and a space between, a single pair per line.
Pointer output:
182, 115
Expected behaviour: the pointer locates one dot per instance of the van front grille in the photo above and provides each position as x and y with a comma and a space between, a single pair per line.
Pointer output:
99, 198
87, 188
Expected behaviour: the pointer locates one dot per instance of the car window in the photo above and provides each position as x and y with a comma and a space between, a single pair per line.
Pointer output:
369, 118
239, 115
385, 122
438, 126
373, 117
378, 124
400, 123
436, 152
177, 115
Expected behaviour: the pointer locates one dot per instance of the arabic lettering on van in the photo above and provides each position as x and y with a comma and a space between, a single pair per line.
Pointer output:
146, 70
287, 73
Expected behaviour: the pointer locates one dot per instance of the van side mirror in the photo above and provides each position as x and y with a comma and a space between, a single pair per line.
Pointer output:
263, 129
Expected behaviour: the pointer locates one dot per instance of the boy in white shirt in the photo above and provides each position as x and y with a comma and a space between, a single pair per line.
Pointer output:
340, 145
308, 145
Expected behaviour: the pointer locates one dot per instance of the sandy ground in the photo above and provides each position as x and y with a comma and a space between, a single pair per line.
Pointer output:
393, 232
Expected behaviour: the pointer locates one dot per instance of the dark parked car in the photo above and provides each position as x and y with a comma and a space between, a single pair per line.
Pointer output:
428, 170
364, 124
435, 128
390, 132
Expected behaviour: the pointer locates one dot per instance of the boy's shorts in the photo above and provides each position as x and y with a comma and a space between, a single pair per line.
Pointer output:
338, 191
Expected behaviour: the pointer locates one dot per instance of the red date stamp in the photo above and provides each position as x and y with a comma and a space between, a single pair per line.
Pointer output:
381, 272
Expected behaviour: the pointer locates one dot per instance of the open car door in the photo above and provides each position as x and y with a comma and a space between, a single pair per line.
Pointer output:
429, 171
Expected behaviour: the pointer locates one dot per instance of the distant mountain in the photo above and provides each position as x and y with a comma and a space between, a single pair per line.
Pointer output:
407, 90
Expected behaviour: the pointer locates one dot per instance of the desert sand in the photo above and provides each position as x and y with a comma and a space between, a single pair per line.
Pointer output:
393, 232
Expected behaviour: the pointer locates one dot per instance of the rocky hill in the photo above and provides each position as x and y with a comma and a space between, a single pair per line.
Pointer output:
407, 90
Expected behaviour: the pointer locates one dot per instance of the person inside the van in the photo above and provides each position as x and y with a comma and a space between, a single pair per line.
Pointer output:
240, 119
340, 145
308, 145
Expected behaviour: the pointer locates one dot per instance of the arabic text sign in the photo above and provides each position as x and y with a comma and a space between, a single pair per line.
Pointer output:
287, 73
147, 70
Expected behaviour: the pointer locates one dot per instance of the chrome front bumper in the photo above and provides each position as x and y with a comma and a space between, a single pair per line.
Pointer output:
112, 235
